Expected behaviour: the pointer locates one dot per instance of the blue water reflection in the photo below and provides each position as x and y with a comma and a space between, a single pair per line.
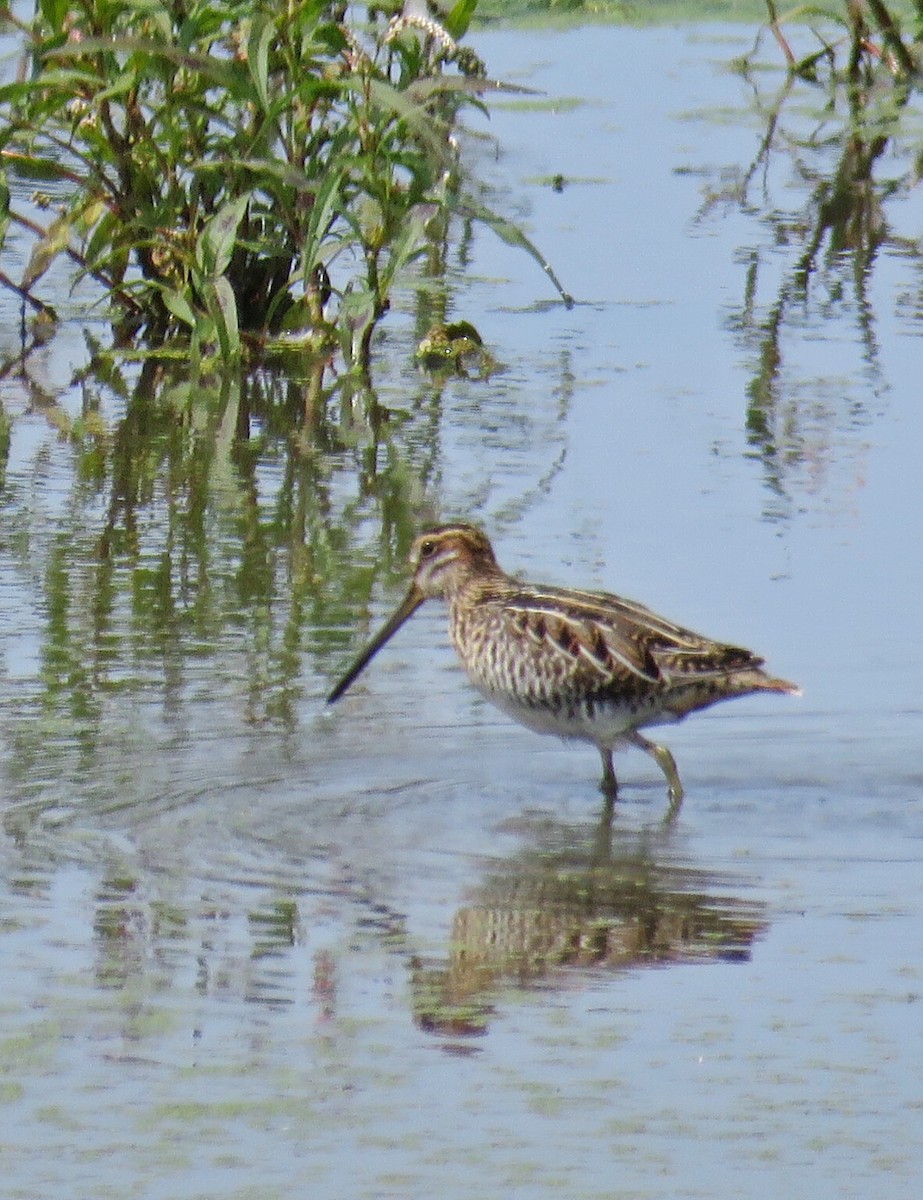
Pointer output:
252, 946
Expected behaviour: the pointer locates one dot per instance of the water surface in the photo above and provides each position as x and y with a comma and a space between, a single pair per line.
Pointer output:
251, 946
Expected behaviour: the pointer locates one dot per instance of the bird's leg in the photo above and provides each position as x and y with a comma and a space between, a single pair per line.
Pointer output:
608, 784
667, 764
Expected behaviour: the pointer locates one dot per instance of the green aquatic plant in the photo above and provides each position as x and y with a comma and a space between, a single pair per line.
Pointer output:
235, 172
457, 348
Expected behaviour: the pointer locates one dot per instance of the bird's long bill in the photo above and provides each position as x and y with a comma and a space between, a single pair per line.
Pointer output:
404, 610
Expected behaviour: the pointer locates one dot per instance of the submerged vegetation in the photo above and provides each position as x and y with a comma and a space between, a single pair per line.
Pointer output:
237, 172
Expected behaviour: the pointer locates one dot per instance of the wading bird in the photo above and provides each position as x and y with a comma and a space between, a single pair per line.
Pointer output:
586, 665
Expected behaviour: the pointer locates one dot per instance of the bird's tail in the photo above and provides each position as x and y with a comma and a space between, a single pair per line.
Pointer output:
769, 683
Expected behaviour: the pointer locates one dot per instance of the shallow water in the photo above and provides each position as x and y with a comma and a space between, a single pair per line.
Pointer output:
252, 946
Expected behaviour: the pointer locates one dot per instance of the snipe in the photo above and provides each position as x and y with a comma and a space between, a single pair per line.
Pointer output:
585, 665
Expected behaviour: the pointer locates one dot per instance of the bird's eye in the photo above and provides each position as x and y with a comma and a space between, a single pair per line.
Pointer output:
427, 548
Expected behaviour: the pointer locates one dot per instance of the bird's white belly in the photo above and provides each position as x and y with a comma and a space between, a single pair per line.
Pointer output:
607, 725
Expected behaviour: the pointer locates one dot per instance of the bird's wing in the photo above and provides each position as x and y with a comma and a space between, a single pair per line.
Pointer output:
614, 638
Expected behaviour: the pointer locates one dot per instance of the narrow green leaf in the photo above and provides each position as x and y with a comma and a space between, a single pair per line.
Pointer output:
422, 89
14, 93
219, 71
282, 171
47, 249
54, 12
30, 166
512, 235
261, 35
430, 131
458, 18
222, 307
180, 307
218, 238
406, 247
125, 82
102, 244
327, 203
